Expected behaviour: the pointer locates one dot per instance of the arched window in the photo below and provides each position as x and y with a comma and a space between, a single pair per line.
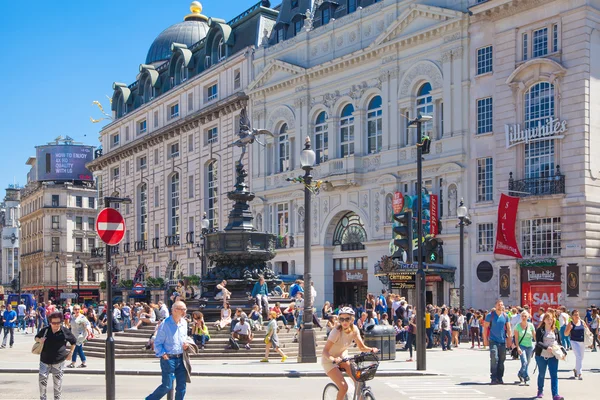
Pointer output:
120, 107
143, 211
321, 144
284, 149
213, 195
222, 49
180, 71
347, 131
425, 107
539, 109
148, 90
183, 72
374, 125
174, 204
350, 231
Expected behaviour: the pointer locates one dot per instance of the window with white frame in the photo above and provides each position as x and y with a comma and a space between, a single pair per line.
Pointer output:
347, 131
56, 222
174, 150
554, 38
126, 134
484, 115
174, 111
237, 79
485, 238
525, 46
91, 245
283, 218
284, 149
484, 60
174, 204
222, 50
91, 202
321, 144
190, 101
541, 237
55, 244
143, 211
79, 223
280, 35
156, 196
540, 42
156, 157
115, 173
91, 223
141, 127
212, 92
79, 245
115, 140
213, 194
374, 125
485, 179
191, 186
539, 109
425, 107
212, 135
156, 119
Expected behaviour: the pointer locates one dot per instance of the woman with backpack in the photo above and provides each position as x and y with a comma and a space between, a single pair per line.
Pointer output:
524, 334
546, 337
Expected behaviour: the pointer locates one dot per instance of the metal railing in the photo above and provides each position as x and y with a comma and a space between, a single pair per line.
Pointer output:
540, 186
172, 240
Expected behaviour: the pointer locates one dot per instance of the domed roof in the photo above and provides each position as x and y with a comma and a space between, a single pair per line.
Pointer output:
193, 29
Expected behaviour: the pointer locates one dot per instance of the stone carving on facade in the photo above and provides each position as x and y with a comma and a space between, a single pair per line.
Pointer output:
340, 41
389, 207
368, 30
446, 56
388, 59
380, 26
352, 37
325, 206
452, 200
300, 88
457, 52
265, 39
325, 47
365, 203
259, 222
356, 91
453, 37
314, 51
423, 68
413, 153
282, 113
438, 148
372, 163
329, 99
403, 155
300, 219
315, 221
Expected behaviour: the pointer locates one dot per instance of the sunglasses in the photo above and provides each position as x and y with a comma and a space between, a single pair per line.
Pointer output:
345, 319
54, 323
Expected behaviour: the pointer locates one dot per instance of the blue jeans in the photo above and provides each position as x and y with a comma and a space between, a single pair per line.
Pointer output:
21, 322
171, 369
41, 323
566, 340
126, 322
201, 339
446, 335
525, 360
78, 351
497, 357
429, 332
552, 365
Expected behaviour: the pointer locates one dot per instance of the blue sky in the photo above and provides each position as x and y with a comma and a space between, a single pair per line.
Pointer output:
58, 57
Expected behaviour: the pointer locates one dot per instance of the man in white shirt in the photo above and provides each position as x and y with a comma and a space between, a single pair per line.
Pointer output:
21, 309
313, 293
563, 320
243, 333
163, 311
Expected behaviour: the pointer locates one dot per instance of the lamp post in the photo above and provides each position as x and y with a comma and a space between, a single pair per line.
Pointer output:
56, 260
462, 213
78, 275
306, 350
109, 365
201, 254
420, 276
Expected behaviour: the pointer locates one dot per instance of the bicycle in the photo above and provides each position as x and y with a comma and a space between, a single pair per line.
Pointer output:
363, 367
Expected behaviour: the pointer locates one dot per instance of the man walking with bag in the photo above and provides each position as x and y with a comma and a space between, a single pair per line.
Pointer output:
498, 325
169, 346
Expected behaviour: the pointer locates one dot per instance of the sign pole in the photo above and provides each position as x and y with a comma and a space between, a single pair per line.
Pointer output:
420, 276
109, 366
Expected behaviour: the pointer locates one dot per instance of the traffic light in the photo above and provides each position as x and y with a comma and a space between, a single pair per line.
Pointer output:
403, 232
14, 284
433, 251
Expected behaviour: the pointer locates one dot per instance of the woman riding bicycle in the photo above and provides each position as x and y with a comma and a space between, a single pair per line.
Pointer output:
336, 348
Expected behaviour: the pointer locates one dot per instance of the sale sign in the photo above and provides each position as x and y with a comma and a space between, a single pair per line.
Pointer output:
506, 241
542, 295
398, 203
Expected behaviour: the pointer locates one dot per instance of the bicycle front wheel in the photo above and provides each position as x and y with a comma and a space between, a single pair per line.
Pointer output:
330, 392
367, 395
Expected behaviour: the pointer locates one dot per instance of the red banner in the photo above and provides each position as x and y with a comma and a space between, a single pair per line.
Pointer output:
433, 214
506, 241
398, 203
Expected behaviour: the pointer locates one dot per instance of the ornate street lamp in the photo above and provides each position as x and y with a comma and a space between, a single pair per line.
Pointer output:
307, 351
201, 254
462, 213
78, 267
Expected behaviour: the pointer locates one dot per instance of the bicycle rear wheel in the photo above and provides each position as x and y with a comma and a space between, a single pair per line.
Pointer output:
330, 392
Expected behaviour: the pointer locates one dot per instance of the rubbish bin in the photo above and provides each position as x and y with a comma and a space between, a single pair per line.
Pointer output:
384, 338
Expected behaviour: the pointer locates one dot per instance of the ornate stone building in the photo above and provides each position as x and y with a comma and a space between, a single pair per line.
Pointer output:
534, 63
167, 148
10, 210
350, 76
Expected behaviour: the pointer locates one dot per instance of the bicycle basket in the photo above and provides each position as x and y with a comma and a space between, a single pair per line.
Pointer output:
364, 367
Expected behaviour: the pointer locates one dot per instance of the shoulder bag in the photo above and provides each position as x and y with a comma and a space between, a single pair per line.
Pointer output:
515, 352
39, 346
588, 336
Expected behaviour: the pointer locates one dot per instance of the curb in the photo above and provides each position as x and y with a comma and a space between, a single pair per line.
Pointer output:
283, 374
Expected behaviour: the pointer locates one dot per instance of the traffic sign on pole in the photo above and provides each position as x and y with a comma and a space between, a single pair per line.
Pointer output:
110, 226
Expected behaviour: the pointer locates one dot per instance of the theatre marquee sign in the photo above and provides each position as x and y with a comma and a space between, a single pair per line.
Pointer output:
553, 129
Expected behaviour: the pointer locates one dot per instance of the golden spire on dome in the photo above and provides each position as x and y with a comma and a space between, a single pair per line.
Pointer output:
196, 9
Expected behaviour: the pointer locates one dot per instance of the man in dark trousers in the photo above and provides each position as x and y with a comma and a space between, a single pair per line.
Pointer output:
498, 325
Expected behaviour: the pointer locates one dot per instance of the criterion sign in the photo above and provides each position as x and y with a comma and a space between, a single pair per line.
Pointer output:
110, 226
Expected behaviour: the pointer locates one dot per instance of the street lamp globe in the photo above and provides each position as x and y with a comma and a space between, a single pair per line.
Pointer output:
462, 211
205, 224
307, 156
56, 259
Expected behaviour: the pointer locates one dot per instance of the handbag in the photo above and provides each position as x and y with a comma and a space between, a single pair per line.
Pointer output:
588, 337
514, 353
39, 346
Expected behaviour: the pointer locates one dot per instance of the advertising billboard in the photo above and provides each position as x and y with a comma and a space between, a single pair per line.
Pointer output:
64, 162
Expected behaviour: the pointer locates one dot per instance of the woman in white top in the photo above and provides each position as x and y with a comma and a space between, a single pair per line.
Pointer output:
223, 293
594, 327
474, 329
336, 348
225, 317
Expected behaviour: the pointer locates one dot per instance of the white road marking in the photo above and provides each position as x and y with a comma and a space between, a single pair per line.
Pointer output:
436, 388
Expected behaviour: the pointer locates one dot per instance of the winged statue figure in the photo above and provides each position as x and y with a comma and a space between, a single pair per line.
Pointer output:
247, 134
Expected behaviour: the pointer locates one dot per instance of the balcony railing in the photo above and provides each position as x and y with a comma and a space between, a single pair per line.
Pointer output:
126, 247
542, 186
98, 252
172, 240
155, 243
189, 237
140, 245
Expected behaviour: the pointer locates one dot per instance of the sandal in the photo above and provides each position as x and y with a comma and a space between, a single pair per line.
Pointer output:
82, 366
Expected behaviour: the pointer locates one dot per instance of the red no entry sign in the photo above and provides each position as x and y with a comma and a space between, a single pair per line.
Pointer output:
110, 226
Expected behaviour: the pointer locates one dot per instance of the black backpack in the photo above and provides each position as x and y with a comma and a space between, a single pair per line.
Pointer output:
234, 344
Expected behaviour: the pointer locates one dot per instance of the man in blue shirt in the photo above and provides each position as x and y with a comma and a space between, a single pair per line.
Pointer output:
10, 319
498, 325
169, 345
296, 287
